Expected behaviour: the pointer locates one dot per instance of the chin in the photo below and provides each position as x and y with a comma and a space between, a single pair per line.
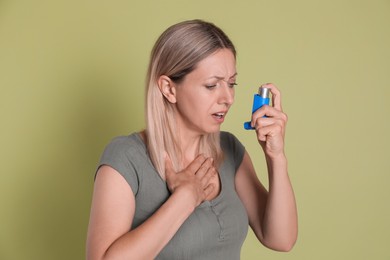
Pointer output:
213, 130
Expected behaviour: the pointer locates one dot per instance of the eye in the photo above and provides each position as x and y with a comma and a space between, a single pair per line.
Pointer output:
210, 86
231, 85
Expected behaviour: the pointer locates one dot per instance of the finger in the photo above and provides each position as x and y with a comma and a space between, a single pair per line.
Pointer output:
263, 122
276, 96
205, 167
267, 112
211, 172
269, 131
168, 166
266, 121
194, 166
208, 190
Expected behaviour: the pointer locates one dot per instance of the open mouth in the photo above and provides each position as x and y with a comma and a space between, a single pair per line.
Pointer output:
219, 115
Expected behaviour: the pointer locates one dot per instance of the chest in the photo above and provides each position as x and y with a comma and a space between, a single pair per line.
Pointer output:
216, 182
215, 230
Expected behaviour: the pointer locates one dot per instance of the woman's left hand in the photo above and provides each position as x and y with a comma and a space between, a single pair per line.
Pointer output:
270, 129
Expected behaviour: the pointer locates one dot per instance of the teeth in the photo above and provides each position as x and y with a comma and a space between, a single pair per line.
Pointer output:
219, 114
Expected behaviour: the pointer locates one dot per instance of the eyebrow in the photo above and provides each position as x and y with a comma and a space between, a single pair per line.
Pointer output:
222, 78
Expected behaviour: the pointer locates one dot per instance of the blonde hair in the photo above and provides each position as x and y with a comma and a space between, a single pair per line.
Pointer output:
175, 54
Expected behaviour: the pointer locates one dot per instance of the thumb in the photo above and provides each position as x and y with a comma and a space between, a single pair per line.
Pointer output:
168, 166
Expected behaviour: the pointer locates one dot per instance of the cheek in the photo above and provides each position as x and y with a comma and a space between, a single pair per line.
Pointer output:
195, 102
188, 106
197, 106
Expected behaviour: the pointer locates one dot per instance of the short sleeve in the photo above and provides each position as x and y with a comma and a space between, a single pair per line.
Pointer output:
118, 155
233, 147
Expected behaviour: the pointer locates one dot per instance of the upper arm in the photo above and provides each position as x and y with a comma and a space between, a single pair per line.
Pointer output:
252, 193
112, 211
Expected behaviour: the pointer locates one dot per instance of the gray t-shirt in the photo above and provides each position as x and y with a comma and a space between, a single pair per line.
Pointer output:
215, 230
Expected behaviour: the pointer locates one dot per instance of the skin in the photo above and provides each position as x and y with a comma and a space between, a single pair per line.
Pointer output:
207, 90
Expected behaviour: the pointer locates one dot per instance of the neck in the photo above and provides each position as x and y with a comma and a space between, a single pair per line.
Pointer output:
189, 145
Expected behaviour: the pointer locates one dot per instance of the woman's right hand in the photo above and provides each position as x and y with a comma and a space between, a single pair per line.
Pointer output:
194, 181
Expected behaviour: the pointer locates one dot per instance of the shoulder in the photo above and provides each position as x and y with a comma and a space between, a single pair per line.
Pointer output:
228, 139
125, 145
232, 148
127, 155
126, 142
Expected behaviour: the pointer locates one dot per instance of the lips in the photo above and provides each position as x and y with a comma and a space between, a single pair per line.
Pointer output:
219, 115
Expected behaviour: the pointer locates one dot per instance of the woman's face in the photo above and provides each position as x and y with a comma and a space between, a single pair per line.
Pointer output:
205, 95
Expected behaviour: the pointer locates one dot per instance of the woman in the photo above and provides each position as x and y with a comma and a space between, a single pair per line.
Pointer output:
182, 189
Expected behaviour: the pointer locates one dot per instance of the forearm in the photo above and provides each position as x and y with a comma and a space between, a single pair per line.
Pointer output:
279, 225
147, 240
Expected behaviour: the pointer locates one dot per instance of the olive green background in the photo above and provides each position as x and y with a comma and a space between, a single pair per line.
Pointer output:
72, 77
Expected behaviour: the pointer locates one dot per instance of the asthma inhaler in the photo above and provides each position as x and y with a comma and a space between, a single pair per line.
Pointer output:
260, 99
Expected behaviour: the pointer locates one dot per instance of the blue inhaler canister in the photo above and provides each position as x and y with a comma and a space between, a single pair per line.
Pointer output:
260, 99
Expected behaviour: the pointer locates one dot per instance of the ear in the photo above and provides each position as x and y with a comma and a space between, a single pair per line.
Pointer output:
167, 88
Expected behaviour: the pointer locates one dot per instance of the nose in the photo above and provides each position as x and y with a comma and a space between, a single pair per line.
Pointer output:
226, 95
